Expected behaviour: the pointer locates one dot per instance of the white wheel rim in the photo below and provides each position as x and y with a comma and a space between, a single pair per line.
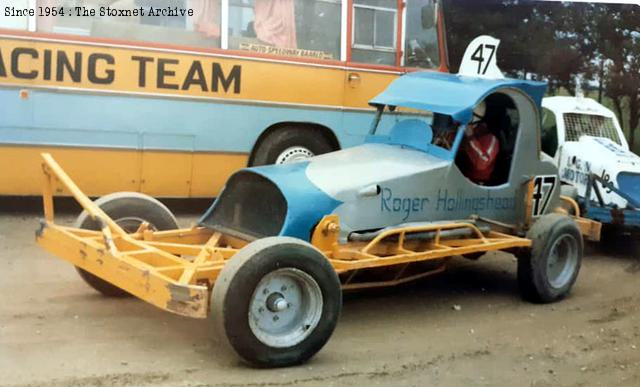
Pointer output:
562, 261
285, 308
294, 154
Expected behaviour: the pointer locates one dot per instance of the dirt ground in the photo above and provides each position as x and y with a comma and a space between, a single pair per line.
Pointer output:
56, 331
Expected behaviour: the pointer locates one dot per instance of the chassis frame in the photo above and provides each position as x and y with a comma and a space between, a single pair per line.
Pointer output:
597, 210
175, 270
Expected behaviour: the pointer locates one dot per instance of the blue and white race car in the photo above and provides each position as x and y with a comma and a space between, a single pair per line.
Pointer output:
269, 260
408, 184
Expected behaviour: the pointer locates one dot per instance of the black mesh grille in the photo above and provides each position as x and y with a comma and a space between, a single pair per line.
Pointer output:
249, 207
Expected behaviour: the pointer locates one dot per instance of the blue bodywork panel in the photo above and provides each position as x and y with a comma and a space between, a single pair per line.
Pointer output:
628, 189
629, 183
453, 95
607, 215
306, 203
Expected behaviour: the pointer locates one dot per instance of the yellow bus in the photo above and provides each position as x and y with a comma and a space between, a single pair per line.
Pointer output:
169, 97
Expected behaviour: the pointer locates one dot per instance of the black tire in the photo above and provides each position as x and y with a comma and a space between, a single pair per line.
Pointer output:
618, 240
553, 235
290, 137
128, 209
474, 256
236, 294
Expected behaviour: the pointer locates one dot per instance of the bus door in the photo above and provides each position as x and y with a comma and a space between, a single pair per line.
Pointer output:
387, 37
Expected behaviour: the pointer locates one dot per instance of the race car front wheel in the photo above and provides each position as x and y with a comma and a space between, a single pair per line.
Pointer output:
128, 210
276, 302
548, 270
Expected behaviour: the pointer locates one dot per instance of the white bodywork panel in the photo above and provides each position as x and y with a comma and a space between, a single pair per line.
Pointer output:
600, 156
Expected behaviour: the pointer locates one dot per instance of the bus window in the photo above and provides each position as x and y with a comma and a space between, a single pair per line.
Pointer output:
14, 22
374, 31
421, 44
201, 30
298, 28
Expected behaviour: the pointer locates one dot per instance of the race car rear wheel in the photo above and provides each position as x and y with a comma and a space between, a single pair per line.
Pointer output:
548, 270
129, 210
276, 302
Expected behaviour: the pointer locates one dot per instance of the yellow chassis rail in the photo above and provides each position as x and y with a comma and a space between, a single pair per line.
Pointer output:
175, 270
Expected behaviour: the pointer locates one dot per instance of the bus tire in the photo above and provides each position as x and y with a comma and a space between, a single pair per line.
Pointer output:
289, 144
128, 210
548, 270
276, 302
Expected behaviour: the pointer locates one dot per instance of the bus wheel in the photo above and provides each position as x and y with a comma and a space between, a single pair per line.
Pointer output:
129, 210
276, 302
548, 270
290, 144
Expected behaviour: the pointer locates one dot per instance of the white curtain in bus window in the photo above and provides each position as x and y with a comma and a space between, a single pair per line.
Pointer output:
14, 22
200, 30
421, 43
375, 31
293, 28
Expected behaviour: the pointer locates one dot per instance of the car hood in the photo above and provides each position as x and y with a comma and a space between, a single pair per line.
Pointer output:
291, 199
347, 174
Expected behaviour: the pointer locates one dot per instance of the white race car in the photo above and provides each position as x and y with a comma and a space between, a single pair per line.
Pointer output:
588, 145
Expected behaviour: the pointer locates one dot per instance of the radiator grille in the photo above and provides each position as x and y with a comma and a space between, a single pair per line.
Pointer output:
577, 125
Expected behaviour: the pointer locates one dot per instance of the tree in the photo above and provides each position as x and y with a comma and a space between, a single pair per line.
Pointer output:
620, 29
558, 42
533, 41
466, 19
